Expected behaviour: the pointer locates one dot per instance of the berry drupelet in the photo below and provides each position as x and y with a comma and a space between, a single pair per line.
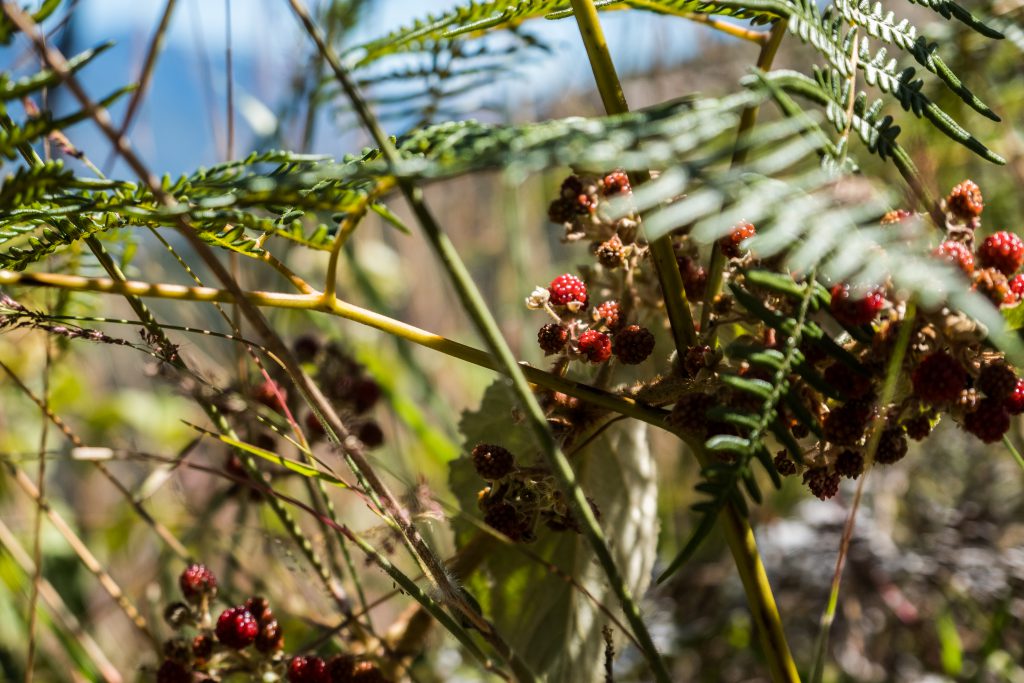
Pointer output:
609, 313
633, 344
615, 183
595, 346
730, 244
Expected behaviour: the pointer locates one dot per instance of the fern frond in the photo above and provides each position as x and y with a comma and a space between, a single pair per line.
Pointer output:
949, 9
8, 29
22, 87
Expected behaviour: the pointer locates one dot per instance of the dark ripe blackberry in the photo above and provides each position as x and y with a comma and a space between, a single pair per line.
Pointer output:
695, 278
939, 378
341, 668
505, 519
847, 381
918, 428
822, 482
260, 608
730, 244
561, 210
690, 413
845, 424
202, 647
994, 285
552, 338
989, 422
365, 394
367, 672
370, 434
197, 582
697, 358
173, 672
633, 344
784, 465
849, 463
492, 462
965, 201
892, 446
609, 313
1014, 403
812, 351
177, 614
177, 649
611, 254
307, 669
306, 348
270, 638
997, 380
237, 627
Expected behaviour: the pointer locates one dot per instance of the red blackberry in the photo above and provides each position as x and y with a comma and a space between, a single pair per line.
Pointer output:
994, 285
822, 482
939, 378
989, 422
1015, 401
1003, 251
845, 424
197, 582
595, 346
997, 380
307, 669
956, 253
492, 462
849, 464
270, 638
633, 344
895, 216
609, 314
568, 289
855, 311
892, 446
552, 338
611, 254
690, 413
848, 382
695, 278
918, 428
615, 183
784, 465
173, 672
1017, 285
730, 244
965, 200
237, 627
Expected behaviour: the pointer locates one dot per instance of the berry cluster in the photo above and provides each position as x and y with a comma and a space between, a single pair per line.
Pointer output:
244, 639
517, 498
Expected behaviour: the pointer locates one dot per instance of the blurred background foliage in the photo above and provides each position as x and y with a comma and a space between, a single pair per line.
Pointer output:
934, 587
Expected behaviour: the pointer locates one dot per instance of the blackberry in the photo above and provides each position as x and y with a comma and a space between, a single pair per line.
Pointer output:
492, 462
173, 672
956, 253
994, 285
306, 348
1014, 403
918, 428
849, 463
370, 434
611, 254
784, 465
552, 338
989, 422
595, 346
892, 446
270, 638
939, 378
690, 413
615, 183
997, 380
633, 344
695, 278
822, 482
568, 289
610, 314
307, 669
202, 647
367, 672
197, 582
845, 424
1017, 285
848, 382
505, 519
730, 244
260, 608
341, 668
965, 201
365, 394
1003, 250
236, 627
697, 358
852, 310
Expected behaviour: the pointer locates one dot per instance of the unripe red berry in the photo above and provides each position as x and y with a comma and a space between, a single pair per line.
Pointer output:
965, 200
568, 289
1017, 285
939, 378
552, 338
1003, 251
956, 253
237, 627
633, 344
1015, 401
993, 284
895, 216
989, 421
730, 244
610, 314
492, 462
197, 582
307, 669
595, 346
854, 310
615, 183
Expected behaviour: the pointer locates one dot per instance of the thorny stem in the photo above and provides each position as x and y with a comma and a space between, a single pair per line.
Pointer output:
739, 535
475, 306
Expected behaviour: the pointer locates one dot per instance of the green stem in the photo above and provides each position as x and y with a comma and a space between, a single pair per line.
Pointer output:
739, 535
